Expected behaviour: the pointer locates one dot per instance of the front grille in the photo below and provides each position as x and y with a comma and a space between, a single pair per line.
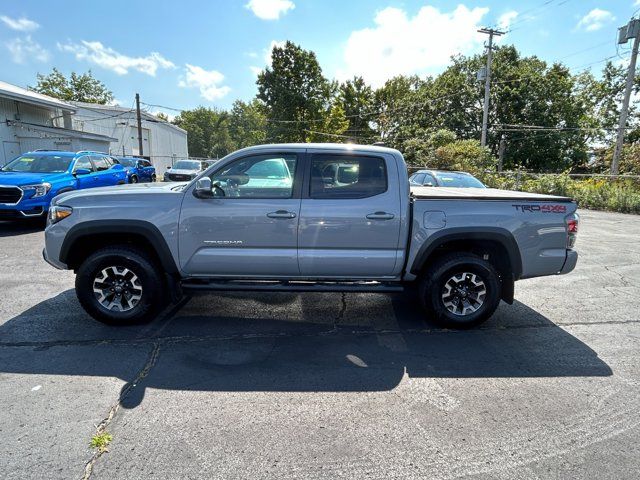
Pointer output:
10, 195
178, 178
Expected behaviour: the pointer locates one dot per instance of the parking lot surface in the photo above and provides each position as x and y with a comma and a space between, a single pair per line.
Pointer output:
326, 385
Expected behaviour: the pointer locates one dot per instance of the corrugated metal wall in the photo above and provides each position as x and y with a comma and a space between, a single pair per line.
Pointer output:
163, 143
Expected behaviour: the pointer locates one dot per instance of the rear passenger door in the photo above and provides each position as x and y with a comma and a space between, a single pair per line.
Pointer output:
350, 217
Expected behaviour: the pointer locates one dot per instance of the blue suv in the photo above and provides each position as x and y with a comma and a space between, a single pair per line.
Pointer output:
29, 183
138, 169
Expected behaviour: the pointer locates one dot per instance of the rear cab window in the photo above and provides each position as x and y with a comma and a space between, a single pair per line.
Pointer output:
347, 176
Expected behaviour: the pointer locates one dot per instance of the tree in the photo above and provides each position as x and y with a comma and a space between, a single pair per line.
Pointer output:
297, 97
162, 116
357, 101
247, 123
207, 132
79, 88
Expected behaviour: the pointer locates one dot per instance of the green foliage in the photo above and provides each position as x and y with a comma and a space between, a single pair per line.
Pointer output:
100, 441
247, 123
356, 99
208, 131
79, 88
601, 194
298, 99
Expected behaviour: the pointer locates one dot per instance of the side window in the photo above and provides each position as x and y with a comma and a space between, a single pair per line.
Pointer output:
347, 176
84, 162
101, 163
259, 176
419, 178
429, 180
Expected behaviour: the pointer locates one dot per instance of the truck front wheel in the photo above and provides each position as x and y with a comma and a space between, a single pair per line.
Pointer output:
120, 286
460, 290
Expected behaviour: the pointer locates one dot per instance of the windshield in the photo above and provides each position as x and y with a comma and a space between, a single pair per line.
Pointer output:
127, 162
459, 180
187, 165
33, 163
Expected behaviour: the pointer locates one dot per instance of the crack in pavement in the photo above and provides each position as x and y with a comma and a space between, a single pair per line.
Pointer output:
124, 393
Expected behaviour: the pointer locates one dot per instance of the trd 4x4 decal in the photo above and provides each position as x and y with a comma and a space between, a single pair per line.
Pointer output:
541, 208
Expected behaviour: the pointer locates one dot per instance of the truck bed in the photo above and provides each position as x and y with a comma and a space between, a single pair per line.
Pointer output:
442, 193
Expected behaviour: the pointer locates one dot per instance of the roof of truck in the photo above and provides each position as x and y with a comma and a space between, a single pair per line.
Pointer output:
324, 146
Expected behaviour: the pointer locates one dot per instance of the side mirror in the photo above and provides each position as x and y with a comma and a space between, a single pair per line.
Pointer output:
81, 171
168, 168
428, 184
203, 189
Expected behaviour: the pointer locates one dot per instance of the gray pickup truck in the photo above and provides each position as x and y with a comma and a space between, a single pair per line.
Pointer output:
307, 217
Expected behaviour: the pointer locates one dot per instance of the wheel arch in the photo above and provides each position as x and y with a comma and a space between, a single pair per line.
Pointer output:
85, 238
497, 245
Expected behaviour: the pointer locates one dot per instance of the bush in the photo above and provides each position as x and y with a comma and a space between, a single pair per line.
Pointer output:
599, 194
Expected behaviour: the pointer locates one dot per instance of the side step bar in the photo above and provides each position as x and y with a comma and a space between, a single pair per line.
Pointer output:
289, 286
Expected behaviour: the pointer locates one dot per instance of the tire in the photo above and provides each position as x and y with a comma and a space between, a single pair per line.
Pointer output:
142, 291
153, 177
451, 290
133, 179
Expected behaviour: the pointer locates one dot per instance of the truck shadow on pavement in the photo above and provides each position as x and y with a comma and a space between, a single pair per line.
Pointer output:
289, 343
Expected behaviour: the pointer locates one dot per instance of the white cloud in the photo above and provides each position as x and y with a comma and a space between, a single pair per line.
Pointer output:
506, 19
108, 58
255, 70
595, 20
270, 9
207, 81
22, 24
24, 49
398, 44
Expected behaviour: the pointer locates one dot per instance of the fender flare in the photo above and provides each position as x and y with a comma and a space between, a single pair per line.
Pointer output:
495, 234
139, 227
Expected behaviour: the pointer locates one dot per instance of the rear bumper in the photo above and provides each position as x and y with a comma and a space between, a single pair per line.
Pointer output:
570, 262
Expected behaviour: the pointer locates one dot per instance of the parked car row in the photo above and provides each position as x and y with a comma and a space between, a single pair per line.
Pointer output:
29, 182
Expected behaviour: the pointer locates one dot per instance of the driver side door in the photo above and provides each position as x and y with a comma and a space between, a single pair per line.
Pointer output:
250, 227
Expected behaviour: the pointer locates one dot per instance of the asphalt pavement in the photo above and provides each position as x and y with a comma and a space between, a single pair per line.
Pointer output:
236, 386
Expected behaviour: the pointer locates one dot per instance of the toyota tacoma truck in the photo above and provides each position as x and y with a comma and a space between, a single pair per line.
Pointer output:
307, 217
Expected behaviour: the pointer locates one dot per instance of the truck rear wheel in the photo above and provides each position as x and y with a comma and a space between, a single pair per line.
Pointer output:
120, 286
460, 290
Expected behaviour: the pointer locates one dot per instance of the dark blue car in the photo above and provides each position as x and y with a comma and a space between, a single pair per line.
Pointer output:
29, 183
138, 169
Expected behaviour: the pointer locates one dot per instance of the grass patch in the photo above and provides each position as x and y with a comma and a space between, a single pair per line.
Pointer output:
101, 441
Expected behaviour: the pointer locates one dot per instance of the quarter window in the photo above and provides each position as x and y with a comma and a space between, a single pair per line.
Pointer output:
259, 176
347, 176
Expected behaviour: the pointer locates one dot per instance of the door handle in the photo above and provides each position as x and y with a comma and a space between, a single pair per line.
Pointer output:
281, 214
380, 216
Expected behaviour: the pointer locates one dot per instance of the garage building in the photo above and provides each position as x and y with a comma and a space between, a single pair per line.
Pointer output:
31, 121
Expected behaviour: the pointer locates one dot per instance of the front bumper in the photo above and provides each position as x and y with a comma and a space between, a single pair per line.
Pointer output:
23, 210
570, 262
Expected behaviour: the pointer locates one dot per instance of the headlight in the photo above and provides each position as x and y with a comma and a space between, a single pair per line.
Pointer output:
58, 212
41, 189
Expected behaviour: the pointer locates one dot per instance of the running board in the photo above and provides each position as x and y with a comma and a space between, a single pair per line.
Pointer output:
290, 286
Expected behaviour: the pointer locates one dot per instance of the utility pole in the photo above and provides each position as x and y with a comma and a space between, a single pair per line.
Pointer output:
487, 81
630, 30
140, 150
501, 148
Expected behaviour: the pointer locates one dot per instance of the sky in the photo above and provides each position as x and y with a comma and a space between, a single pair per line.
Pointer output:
180, 55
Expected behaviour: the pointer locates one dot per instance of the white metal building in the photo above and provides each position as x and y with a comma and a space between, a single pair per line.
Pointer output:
162, 143
31, 121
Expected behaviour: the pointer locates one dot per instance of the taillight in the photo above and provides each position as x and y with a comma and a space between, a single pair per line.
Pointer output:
572, 222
